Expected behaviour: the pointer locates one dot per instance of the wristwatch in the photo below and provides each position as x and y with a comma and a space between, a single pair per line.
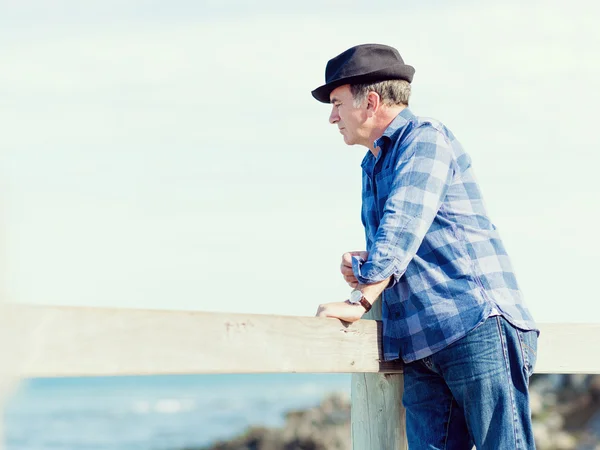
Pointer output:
356, 297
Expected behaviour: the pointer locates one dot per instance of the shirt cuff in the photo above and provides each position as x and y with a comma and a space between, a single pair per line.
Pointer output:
367, 272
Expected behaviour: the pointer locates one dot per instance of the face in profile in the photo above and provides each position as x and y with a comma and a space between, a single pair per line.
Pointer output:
349, 118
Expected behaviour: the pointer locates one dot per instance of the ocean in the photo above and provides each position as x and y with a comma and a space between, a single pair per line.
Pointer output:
155, 412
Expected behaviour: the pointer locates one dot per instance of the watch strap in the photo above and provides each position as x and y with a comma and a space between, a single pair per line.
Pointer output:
366, 304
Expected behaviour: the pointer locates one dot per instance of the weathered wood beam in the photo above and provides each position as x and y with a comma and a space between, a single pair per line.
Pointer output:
77, 341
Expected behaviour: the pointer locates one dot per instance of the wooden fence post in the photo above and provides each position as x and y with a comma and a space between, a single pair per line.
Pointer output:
378, 417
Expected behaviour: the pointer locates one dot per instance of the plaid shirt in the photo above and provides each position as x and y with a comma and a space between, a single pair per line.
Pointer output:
427, 227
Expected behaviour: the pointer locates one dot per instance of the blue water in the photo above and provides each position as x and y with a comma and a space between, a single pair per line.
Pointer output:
155, 412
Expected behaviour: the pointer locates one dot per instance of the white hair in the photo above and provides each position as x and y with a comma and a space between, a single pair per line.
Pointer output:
391, 92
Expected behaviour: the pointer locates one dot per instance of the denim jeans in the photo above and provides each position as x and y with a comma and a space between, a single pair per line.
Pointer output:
473, 392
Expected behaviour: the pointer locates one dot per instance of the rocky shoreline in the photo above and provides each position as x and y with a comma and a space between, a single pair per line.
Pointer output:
323, 427
565, 411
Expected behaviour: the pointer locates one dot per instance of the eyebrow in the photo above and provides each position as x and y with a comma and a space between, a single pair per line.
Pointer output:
334, 99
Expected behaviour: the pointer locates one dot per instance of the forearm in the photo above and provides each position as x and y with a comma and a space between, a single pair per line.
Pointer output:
372, 291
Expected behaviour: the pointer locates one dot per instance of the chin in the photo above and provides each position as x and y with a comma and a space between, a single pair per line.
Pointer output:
348, 141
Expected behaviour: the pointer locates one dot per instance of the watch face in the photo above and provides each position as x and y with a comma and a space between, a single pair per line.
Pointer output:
355, 296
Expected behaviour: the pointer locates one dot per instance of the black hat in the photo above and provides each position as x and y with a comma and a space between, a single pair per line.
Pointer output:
366, 63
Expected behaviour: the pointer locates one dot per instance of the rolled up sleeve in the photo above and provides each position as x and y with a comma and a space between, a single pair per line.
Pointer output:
420, 181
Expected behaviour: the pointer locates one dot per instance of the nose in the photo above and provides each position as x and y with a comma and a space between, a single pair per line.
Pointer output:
334, 116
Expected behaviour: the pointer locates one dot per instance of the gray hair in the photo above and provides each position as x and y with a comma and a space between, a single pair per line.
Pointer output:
391, 92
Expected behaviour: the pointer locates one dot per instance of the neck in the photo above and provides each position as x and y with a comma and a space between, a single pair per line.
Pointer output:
387, 115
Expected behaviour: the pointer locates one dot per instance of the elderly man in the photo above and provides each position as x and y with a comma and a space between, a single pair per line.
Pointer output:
452, 308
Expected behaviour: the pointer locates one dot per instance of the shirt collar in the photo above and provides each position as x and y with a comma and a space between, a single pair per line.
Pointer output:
399, 122
397, 125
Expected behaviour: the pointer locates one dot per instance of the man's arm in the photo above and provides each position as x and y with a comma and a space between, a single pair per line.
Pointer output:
420, 183
350, 312
346, 310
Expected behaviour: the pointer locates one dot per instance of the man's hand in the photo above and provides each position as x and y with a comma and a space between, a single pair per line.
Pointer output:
345, 311
346, 267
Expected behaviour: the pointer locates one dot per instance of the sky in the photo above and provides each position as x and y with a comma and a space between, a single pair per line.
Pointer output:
169, 155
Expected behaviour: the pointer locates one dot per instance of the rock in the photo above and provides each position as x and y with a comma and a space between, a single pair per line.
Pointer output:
542, 435
554, 421
324, 427
564, 441
536, 403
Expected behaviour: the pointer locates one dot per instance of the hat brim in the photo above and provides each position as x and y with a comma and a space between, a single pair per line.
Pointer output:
396, 72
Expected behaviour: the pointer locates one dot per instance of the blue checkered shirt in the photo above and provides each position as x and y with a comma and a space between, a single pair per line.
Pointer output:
426, 226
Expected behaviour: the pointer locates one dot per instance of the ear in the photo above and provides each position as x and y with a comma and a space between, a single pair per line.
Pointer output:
373, 102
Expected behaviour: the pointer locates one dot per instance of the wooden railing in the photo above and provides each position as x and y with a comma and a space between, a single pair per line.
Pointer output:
74, 341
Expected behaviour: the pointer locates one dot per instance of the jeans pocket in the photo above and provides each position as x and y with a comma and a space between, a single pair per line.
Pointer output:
528, 341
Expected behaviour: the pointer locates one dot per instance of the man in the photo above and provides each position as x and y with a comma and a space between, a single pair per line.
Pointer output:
452, 309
